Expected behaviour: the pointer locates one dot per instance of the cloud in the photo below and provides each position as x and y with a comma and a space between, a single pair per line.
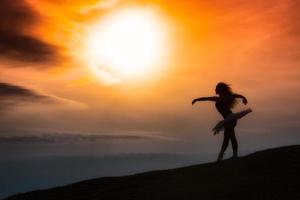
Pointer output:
25, 48
73, 138
16, 43
14, 95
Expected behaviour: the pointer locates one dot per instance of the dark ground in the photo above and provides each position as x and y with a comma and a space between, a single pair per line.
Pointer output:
271, 174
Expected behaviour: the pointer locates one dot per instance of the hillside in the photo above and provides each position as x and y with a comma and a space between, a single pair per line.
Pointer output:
270, 174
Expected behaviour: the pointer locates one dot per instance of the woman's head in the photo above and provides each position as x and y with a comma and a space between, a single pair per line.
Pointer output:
223, 89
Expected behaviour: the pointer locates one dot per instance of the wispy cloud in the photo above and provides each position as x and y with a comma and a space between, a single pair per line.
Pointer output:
12, 94
74, 138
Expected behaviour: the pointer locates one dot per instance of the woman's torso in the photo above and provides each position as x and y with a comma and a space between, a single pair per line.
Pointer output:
223, 105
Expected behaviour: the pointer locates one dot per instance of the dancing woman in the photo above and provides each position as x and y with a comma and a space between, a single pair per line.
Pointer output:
224, 102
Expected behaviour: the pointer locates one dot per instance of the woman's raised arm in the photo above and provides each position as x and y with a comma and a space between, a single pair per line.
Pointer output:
245, 101
205, 99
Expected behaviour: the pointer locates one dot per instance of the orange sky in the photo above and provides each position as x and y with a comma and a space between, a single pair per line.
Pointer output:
253, 45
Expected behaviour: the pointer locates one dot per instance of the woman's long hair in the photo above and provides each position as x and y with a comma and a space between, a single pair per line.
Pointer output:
225, 91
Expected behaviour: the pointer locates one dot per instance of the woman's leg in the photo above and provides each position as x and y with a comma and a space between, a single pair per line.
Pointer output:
224, 145
234, 144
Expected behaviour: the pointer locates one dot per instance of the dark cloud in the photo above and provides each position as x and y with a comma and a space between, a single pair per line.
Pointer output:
16, 20
25, 48
13, 95
16, 12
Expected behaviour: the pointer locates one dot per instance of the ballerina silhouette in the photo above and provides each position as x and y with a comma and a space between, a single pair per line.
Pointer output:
224, 102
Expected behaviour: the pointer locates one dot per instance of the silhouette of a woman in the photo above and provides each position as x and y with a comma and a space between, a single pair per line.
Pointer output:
224, 102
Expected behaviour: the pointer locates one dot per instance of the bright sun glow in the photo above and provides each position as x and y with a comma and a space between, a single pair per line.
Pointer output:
127, 44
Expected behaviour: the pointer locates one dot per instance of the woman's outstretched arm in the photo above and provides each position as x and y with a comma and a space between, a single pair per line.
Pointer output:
245, 101
205, 99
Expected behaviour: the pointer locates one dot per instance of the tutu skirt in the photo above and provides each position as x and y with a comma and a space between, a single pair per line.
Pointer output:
232, 117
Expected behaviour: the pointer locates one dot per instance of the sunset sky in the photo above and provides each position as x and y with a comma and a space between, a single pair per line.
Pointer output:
121, 74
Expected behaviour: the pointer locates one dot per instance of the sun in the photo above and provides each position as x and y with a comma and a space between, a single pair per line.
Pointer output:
128, 44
